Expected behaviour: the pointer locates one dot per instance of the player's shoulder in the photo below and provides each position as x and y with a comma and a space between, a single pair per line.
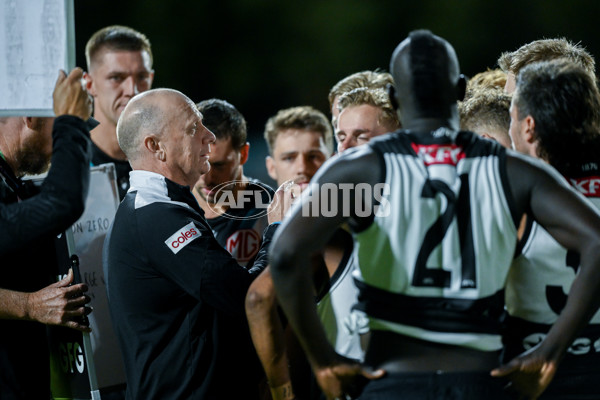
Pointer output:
528, 168
354, 165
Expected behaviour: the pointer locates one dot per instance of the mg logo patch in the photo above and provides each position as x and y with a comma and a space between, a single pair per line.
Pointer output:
182, 237
243, 244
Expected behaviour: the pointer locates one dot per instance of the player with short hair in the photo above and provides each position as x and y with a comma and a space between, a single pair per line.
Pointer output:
556, 118
435, 250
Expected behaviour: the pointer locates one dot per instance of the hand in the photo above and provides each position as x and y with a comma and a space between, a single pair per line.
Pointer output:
60, 304
345, 379
70, 97
530, 374
283, 199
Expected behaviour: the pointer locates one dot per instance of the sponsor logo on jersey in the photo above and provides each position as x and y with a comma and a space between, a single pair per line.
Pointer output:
588, 186
243, 244
182, 237
259, 197
580, 346
439, 154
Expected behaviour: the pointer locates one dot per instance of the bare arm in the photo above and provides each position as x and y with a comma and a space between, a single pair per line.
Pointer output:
267, 334
266, 328
575, 224
57, 304
299, 238
277, 348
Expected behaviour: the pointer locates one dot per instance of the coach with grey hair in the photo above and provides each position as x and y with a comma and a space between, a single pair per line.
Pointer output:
176, 296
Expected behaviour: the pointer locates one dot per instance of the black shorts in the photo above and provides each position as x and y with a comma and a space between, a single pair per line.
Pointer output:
573, 385
436, 386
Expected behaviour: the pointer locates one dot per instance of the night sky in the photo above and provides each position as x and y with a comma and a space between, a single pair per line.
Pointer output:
265, 55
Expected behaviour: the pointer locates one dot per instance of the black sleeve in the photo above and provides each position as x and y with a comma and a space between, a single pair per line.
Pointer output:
199, 265
62, 196
262, 257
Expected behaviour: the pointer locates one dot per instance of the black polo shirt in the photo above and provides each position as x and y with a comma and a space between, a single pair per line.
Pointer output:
177, 298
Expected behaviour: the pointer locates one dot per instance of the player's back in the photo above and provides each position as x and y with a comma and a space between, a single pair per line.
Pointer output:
434, 261
540, 279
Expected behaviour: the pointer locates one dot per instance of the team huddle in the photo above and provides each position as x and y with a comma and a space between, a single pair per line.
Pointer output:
449, 248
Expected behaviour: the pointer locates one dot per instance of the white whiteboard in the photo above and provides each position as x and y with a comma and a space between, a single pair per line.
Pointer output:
37, 38
89, 233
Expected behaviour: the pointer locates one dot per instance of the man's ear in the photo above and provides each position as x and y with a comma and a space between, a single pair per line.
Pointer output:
152, 144
461, 86
392, 95
529, 134
271, 167
244, 150
29, 123
488, 136
88, 84
33, 123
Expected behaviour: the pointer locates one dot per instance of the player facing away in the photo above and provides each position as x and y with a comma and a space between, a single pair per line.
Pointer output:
435, 249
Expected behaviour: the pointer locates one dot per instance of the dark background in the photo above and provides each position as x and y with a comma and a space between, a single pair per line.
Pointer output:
265, 55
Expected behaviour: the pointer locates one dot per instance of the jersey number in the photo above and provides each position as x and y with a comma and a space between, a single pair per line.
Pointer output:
458, 208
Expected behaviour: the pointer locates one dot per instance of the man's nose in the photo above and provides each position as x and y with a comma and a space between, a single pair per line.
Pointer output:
130, 86
301, 165
210, 138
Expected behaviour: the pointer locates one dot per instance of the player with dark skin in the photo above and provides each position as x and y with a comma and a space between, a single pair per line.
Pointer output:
536, 190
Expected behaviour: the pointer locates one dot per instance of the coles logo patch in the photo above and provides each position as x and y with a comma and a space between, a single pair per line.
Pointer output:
182, 237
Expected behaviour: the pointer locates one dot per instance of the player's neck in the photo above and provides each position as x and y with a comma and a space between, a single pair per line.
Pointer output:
105, 137
430, 124
425, 120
